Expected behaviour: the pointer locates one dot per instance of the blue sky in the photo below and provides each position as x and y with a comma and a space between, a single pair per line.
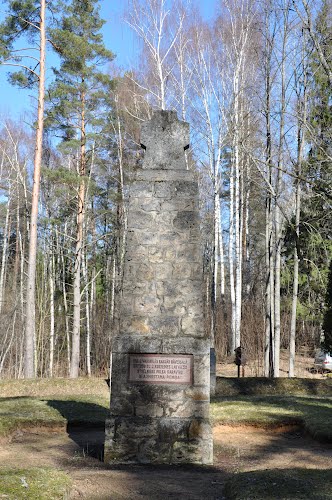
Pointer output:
118, 38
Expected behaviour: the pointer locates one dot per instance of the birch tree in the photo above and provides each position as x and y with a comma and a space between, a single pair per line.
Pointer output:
301, 82
237, 40
279, 183
207, 112
158, 25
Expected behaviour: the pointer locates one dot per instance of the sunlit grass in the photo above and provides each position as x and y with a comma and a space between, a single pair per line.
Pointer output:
33, 484
54, 387
315, 414
24, 412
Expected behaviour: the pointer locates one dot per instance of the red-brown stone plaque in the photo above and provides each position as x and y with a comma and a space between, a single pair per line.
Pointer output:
161, 368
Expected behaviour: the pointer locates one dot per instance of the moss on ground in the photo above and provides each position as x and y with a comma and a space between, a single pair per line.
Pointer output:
34, 484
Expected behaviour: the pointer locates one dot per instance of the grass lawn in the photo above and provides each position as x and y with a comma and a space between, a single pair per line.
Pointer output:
46, 403
313, 413
24, 412
52, 403
86, 401
33, 484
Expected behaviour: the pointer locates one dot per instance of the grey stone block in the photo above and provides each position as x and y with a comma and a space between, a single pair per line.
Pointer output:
164, 175
185, 220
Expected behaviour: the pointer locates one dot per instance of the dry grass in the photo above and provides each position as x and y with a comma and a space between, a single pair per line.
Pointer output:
55, 387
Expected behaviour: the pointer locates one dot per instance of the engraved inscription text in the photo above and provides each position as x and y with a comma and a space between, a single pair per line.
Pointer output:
161, 368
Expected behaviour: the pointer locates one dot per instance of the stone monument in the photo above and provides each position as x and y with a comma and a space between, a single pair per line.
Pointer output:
160, 393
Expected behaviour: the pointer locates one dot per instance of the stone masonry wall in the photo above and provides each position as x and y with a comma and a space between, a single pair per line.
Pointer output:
161, 310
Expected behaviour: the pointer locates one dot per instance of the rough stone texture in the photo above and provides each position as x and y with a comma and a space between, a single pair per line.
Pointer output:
164, 138
161, 310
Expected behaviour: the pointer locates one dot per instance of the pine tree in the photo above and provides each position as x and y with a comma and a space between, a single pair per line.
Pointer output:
315, 245
28, 18
327, 322
320, 164
79, 102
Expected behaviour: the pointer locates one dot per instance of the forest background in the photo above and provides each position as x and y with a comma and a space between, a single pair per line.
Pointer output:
254, 82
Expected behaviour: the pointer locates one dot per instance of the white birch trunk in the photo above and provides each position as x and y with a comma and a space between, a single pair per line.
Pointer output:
278, 215
237, 206
51, 289
4, 251
267, 344
269, 268
231, 260
7, 342
215, 269
221, 252
64, 295
302, 123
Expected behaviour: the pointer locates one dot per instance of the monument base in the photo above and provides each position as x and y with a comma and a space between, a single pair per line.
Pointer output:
158, 440
159, 402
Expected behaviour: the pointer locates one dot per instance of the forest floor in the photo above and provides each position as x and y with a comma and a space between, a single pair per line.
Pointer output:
237, 450
304, 367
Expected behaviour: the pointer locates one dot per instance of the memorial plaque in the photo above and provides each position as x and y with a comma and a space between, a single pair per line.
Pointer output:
161, 368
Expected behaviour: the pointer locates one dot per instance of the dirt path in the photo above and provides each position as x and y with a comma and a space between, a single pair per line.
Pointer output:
79, 452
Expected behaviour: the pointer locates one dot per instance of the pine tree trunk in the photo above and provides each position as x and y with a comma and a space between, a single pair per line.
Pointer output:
87, 316
75, 352
112, 305
29, 365
75, 347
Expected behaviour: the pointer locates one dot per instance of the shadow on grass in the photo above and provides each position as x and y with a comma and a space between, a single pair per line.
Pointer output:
85, 425
295, 484
255, 386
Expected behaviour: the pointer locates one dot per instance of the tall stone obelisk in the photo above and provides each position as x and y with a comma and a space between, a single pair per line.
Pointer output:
160, 392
